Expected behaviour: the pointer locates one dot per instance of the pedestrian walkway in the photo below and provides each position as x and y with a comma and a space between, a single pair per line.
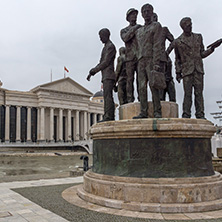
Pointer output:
16, 208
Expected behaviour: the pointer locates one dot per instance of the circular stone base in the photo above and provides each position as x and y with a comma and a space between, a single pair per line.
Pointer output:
153, 165
70, 195
168, 195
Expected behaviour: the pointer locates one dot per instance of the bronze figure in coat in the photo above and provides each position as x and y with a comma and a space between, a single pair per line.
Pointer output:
106, 66
189, 52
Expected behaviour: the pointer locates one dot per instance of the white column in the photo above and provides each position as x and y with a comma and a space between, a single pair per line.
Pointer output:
51, 127
18, 124
28, 124
73, 131
7, 123
89, 120
60, 125
77, 125
42, 124
85, 125
38, 123
100, 117
69, 126
88, 126
94, 118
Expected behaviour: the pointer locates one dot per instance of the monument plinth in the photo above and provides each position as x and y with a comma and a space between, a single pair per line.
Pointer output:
153, 165
129, 110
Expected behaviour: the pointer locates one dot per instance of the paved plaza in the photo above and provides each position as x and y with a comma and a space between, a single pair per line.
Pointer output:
14, 207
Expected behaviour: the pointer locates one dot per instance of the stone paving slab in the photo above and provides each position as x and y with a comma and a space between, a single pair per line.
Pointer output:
5, 214
175, 217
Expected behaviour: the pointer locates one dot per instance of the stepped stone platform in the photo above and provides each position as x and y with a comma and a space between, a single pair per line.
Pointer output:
153, 165
168, 195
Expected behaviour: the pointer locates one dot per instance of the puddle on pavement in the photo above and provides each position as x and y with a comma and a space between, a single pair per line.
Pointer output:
30, 165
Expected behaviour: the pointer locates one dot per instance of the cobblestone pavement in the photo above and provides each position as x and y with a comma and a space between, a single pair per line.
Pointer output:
41, 201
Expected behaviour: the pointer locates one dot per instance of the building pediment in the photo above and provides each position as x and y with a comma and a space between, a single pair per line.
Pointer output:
64, 85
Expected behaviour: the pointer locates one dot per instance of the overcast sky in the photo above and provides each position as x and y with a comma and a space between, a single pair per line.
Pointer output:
40, 35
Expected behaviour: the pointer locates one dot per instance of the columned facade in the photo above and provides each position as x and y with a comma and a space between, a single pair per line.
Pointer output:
49, 113
68, 131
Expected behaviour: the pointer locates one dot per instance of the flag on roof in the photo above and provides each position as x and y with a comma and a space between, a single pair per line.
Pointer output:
66, 69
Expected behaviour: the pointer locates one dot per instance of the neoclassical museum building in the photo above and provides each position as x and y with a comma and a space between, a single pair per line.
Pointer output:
59, 111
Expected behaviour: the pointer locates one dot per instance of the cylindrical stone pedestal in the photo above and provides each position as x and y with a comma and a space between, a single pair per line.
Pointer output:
153, 165
166, 195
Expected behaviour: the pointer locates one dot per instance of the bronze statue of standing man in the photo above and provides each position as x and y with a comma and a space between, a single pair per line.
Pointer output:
166, 64
121, 77
106, 66
189, 52
128, 36
149, 53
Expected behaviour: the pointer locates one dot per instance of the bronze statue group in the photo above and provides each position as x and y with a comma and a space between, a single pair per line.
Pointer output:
146, 57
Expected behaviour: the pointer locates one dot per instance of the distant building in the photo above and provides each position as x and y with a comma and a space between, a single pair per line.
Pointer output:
98, 97
59, 111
